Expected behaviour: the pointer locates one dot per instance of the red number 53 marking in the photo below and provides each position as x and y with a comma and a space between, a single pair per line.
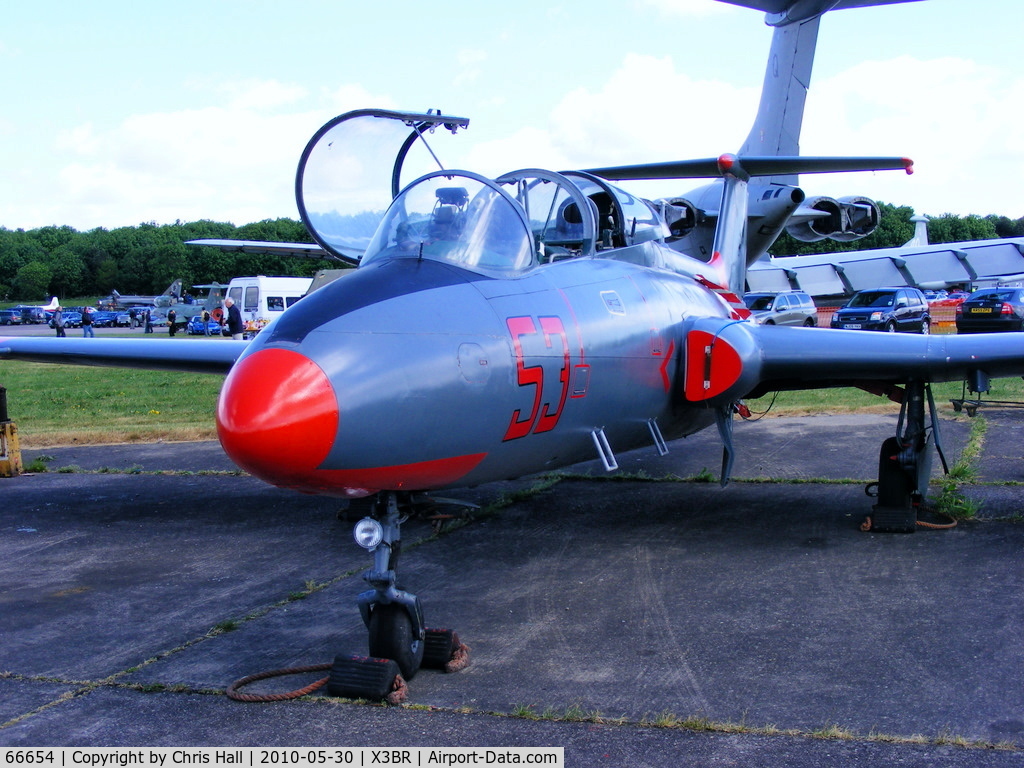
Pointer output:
541, 417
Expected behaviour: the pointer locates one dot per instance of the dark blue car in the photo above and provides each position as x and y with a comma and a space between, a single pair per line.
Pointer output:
195, 326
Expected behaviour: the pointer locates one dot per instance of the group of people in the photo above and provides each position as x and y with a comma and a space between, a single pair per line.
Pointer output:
234, 320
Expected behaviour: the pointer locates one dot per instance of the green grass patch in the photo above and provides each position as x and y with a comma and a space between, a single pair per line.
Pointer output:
67, 404
853, 400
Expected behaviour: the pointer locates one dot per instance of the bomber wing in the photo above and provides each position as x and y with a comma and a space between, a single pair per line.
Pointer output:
752, 165
924, 266
200, 356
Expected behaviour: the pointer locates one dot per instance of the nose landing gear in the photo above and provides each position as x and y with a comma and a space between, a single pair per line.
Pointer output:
393, 617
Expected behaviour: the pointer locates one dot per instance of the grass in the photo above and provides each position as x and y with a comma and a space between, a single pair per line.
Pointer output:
852, 400
70, 404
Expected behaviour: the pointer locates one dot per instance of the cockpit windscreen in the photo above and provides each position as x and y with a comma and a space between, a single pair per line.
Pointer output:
459, 218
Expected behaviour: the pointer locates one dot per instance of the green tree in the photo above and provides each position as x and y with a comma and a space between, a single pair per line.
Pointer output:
66, 272
32, 281
105, 275
167, 262
1006, 227
950, 228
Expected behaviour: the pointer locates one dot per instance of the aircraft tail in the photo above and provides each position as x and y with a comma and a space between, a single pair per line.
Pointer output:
54, 303
780, 114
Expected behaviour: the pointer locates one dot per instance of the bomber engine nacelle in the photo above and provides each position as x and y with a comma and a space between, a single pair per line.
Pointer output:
845, 219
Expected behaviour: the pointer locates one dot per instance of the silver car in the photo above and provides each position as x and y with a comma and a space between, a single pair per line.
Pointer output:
786, 308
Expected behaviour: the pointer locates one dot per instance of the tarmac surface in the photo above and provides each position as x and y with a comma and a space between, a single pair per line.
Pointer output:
613, 616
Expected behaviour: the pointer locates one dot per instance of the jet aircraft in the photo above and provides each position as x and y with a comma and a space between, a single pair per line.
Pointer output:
117, 301
497, 327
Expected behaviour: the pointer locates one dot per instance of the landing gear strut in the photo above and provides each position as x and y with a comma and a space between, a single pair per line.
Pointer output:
393, 616
905, 463
399, 641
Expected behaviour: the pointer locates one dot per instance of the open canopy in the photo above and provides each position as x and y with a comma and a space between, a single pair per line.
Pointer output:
355, 165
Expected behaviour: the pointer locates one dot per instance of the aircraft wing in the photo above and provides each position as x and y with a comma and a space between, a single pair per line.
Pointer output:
790, 11
726, 360
199, 356
309, 250
924, 266
807, 358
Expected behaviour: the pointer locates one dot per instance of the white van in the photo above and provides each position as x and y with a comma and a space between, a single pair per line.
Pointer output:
260, 299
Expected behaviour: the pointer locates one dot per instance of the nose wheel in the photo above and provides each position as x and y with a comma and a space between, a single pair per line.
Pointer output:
394, 617
391, 636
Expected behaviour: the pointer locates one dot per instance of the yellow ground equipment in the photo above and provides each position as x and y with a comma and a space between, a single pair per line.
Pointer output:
10, 452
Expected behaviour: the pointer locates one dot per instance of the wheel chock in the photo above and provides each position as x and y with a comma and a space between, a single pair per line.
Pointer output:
893, 519
366, 677
443, 650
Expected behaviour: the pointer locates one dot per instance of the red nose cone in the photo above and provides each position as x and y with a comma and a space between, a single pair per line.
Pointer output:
277, 416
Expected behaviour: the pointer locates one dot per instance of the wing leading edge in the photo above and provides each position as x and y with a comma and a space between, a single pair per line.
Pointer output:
199, 356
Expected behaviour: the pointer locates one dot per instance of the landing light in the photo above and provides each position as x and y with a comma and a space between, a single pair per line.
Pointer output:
368, 533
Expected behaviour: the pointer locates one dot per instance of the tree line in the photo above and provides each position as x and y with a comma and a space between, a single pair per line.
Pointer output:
61, 261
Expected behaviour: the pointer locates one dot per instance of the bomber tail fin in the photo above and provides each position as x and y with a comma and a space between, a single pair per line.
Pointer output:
787, 77
780, 113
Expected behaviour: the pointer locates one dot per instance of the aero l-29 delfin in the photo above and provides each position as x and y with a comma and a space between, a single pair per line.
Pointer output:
497, 327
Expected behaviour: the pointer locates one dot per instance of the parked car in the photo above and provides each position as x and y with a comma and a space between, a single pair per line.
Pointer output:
10, 317
786, 308
72, 319
885, 309
31, 315
104, 319
991, 309
195, 326
122, 319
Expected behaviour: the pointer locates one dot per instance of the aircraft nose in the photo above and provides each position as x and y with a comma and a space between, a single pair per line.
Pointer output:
277, 416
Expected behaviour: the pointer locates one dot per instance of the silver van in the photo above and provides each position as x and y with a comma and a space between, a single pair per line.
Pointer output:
786, 308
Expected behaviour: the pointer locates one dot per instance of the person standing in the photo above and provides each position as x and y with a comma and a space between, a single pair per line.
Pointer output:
206, 322
87, 331
234, 319
58, 321
148, 320
172, 318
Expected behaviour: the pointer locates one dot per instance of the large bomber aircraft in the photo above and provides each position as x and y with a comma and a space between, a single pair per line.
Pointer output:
497, 327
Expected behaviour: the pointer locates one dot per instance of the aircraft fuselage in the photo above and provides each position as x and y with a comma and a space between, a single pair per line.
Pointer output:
418, 375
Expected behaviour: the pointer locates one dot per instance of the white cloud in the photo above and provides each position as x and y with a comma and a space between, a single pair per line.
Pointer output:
469, 69
645, 112
234, 162
961, 123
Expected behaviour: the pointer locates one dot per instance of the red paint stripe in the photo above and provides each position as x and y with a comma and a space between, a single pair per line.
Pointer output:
418, 476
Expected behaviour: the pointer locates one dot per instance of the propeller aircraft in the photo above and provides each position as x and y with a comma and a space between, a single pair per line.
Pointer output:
498, 327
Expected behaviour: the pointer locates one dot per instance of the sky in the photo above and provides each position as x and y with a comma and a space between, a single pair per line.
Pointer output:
118, 112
